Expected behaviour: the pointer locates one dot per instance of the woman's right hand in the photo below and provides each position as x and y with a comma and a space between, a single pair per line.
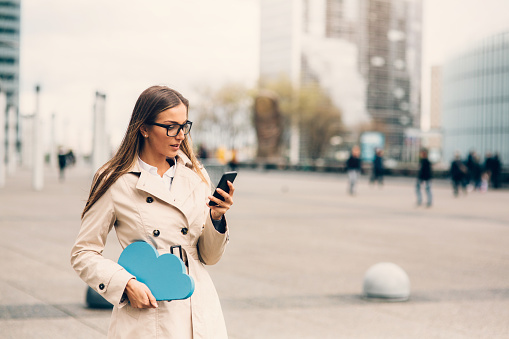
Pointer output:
139, 295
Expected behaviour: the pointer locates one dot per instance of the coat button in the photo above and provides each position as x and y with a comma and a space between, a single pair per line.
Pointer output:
184, 230
101, 287
156, 233
150, 199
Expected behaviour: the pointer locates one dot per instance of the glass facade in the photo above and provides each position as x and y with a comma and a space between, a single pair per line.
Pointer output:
476, 100
9, 56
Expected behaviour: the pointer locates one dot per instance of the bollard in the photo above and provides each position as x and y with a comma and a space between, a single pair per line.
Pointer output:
386, 281
95, 300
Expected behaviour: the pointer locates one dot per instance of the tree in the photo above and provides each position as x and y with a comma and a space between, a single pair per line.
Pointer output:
223, 114
311, 109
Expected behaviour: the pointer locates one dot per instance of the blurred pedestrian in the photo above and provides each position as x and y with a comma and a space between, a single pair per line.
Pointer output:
424, 177
353, 168
221, 155
458, 173
469, 162
233, 163
476, 172
497, 169
202, 152
485, 177
62, 162
70, 158
378, 167
493, 166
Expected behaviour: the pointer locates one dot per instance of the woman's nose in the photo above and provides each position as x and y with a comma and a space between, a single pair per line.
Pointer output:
180, 134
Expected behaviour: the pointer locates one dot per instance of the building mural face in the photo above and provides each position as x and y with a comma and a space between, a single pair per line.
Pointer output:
269, 126
364, 53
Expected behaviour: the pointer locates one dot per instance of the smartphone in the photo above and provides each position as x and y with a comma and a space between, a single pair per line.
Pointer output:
227, 176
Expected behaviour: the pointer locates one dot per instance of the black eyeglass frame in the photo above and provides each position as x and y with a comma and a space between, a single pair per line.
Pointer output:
181, 127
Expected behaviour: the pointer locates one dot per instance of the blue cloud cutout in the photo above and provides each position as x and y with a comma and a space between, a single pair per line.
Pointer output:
165, 275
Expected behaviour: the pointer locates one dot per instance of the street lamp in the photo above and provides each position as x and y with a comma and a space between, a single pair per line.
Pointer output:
38, 157
3, 106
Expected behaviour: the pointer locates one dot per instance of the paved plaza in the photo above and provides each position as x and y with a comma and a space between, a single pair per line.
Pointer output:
299, 248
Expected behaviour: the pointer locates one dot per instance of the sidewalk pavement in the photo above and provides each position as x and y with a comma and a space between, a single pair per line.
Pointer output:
299, 247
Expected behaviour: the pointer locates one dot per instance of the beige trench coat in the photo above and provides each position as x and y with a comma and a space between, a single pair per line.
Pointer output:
138, 205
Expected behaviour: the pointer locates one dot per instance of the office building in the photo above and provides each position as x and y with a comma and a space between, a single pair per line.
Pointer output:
9, 58
475, 111
364, 53
390, 51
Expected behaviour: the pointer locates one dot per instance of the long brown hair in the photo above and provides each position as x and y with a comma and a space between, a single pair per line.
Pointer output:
151, 102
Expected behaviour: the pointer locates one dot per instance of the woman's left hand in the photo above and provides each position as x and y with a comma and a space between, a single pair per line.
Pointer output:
220, 209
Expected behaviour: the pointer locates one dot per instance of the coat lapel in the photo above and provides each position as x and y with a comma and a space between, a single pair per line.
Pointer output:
153, 186
184, 182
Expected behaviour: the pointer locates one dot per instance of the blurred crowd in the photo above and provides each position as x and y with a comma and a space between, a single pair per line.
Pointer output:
473, 174
469, 174
223, 156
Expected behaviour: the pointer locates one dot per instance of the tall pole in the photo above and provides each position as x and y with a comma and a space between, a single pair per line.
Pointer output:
3, 111
100, 145
53, 146
27, 142
38, 161
294, 142
11, 141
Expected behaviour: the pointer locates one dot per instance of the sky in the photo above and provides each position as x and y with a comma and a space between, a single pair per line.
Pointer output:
451, 26
75, 48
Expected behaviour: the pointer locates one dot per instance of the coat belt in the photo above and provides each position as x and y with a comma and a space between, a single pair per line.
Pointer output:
187, 251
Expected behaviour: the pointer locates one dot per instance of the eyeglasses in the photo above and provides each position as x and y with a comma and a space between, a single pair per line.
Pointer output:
174, 129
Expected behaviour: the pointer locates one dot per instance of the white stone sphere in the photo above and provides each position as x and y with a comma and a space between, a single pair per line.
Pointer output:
386, 281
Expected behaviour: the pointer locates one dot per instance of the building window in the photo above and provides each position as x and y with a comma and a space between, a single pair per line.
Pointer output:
8, 77
8, 30
9, 4
399, 93
395, 35
9, 17
399, 64
9, 61
377, 61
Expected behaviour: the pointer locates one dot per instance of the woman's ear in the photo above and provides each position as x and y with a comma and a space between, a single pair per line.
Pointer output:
144, 131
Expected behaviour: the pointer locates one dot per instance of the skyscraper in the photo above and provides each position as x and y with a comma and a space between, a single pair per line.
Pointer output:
364, 53
390, 49
9, 55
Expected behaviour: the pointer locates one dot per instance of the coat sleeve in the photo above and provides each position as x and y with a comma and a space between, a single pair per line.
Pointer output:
211, 244
105, 276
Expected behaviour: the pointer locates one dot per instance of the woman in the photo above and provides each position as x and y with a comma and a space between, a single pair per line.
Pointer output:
155, 190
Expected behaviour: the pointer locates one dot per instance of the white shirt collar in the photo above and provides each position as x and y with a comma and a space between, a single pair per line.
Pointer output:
170, 173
